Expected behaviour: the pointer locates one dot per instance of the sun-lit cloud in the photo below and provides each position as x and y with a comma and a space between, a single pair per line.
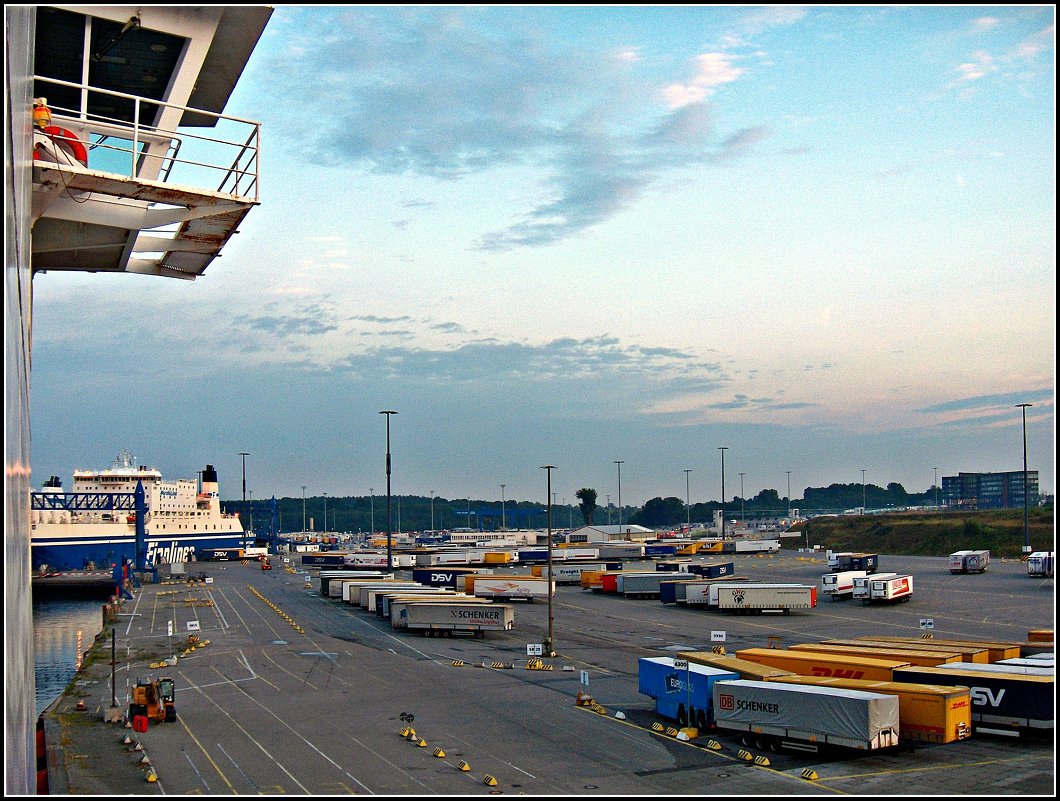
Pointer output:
712, 70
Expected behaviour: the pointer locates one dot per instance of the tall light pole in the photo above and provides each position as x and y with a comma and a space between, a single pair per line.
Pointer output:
244, 454
389, 558
789, 497
371, 508
548, 468
723, 449
252, 514
619, 463
608, 509
688, 505
303, 508
742, 516
863, 492
432, 510
503, 526
1026, 488
936, 487
325, 513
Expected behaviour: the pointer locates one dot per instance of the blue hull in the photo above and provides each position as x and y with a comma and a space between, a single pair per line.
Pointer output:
103, 553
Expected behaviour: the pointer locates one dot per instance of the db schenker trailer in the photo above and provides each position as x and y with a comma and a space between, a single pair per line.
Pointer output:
932, 713
771, 715
682, 694
444, 619
1002, 703
1040, 563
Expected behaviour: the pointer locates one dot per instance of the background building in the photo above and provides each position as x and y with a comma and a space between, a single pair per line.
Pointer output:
989, 490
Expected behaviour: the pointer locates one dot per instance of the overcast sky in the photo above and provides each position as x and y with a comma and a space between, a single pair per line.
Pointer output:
823, 238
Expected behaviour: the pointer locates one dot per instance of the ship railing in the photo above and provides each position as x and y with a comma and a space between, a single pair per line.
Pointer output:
227, 162
82, 501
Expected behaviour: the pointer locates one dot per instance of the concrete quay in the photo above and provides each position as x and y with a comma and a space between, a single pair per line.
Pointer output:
299, 694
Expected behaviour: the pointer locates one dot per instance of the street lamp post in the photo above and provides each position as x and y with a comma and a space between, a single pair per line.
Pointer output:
549, 650
503, 524
743, 517
303, 508
789, 497
1026, 488
252, 515
325, 513
432, 510
936, 487
619, 463
723, 449
389, 558
608, 509
371, 508
863, 492
244, 454
688, 505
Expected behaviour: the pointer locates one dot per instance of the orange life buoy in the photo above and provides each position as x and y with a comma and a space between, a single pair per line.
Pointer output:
64, 138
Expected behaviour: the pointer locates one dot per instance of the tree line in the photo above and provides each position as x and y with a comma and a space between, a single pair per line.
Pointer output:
418, 513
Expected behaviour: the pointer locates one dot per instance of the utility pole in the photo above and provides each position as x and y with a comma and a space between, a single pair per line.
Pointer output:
549, 643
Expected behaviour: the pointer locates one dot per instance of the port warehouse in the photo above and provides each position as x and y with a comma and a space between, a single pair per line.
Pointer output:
931, 708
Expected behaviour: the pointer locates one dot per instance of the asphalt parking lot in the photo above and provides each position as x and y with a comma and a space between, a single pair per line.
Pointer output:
301, 694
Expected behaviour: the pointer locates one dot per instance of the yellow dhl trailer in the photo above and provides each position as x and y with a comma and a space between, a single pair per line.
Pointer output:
496, 558
931, 713
913, 657
745, 668
998, 650
814, 663
967, 653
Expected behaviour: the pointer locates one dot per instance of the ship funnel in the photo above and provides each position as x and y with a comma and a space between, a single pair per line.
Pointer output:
209, 475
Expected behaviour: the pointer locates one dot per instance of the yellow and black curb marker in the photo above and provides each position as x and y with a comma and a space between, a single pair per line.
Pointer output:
489, 781
463, 766
458, 663
810, 775
275, 609
745, 755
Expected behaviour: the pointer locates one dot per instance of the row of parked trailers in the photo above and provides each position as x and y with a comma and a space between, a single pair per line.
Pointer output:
415, 607
939, 695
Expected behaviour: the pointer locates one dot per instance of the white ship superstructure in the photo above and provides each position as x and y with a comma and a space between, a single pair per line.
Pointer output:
95, 525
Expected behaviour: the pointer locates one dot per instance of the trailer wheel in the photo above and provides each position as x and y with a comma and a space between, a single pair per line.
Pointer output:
774, 745
171, 714
747, 740
447, 633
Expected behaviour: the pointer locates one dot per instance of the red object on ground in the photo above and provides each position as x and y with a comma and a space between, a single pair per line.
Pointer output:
140, 723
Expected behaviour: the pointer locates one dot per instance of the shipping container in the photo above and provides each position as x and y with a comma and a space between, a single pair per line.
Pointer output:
332, 559
752, 546
913, 657
932, 713
1040, 563
609, 580
739, 597
894, 589
834, 558
576, 553
440, 576
621, 550
362, 596
696, 592
771, 715
593, 579
1041, 660
965, 653
655, 549
861, 584
745, 668
995, 650
567, 573
444, 619
1005, 703
327, 576
366, 561
1044, 656
382, 600
811, 663
681, 694
969, 561
1044, 669
840, 585
646, 585
674, 565
712, 569
527, 588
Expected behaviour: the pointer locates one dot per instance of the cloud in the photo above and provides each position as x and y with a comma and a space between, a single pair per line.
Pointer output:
1034, 44
989, 401
713, 70
981, 65
445, 95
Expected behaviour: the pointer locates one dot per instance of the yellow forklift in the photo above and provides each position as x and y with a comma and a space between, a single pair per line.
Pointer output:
155, 700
